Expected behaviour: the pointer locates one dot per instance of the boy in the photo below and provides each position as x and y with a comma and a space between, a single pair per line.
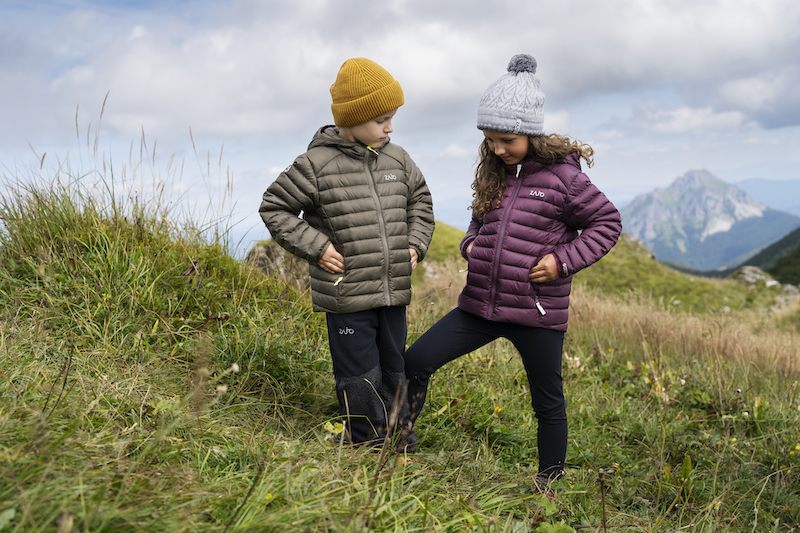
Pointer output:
367, 219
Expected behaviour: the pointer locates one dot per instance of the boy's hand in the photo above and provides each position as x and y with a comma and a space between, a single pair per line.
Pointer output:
332, 261
414, 258
544, 270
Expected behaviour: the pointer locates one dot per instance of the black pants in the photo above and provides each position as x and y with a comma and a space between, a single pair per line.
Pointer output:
367, 352
459, 333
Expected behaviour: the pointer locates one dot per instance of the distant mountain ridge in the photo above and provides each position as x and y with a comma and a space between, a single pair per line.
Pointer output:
703, 222
783, 195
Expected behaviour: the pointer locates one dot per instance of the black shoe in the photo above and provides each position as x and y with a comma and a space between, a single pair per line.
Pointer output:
407, 443
543, 484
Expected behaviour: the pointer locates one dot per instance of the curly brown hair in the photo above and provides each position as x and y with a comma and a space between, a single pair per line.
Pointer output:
490, 175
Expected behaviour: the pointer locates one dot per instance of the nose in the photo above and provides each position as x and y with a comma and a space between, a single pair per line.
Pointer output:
498, 149
388, 128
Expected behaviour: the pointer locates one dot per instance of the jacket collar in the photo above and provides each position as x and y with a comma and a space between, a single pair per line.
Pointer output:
531, 164
329, 136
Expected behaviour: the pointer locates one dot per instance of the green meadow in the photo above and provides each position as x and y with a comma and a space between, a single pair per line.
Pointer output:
150, 382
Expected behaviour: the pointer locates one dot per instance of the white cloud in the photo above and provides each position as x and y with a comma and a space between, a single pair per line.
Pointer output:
255, 76
557, 122
684, 119
455, 151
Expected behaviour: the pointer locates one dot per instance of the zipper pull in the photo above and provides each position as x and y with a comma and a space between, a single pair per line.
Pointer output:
519, 168
540, 308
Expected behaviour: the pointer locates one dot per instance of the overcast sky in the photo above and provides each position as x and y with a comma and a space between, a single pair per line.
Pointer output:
656, 87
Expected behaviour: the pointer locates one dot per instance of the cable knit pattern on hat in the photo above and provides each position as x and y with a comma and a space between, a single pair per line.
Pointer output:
513, 103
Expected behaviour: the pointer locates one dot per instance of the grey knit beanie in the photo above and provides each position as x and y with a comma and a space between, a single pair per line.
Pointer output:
513, 104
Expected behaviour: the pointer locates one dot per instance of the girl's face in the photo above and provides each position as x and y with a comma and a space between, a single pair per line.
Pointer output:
509, 147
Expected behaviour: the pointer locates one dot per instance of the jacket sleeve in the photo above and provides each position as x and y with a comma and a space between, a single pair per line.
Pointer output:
599, 222
293, 192
419, 210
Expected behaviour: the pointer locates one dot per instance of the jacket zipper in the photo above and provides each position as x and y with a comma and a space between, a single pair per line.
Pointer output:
499, 247
381, 225
536, 301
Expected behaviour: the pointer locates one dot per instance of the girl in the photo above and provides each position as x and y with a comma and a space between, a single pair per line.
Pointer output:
537, 219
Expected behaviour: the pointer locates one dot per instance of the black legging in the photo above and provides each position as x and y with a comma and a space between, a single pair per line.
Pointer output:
460, 333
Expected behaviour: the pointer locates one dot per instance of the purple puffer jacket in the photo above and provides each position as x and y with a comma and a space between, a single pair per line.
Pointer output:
546, 208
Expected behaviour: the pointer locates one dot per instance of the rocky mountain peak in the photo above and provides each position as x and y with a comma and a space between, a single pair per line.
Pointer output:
697, 206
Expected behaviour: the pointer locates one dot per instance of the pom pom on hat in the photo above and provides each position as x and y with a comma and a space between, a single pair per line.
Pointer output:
513, 103
362, 91
522, 63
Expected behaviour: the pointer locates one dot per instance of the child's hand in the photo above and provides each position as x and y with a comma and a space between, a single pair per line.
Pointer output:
469, 248
332, 261
545, 270
414, 258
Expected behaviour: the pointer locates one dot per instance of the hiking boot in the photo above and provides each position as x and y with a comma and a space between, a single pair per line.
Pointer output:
407, 443
543, 484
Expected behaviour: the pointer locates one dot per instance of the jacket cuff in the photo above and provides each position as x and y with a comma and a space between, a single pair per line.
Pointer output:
563, 270
464, 246
420, 250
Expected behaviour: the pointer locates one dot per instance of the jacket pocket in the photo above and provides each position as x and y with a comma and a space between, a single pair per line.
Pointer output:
330, 284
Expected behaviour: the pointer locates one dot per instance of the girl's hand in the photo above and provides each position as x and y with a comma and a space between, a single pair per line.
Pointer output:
332, 261
414, 258
544, 270
469, 248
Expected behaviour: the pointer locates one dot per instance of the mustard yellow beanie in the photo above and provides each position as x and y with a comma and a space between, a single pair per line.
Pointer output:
362, 91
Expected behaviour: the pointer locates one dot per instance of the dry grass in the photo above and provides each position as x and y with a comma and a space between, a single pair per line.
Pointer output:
750, 337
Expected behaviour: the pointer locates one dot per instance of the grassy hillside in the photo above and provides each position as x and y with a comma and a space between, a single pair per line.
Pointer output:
152, 383
787, 268
630, 268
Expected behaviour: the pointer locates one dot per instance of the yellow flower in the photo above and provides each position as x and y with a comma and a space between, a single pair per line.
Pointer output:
497, 410
336, 429
733, 439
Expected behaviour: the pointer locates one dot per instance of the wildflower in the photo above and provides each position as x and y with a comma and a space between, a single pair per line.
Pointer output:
745, 414
733, 439
497, 410
235, 368
222, 389
336, 429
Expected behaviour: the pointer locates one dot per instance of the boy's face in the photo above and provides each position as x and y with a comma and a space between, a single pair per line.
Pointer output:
373, 133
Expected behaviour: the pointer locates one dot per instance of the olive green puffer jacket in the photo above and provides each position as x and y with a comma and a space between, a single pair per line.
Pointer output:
373, 205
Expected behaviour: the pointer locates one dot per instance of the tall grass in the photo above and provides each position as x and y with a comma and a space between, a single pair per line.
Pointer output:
150, 382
